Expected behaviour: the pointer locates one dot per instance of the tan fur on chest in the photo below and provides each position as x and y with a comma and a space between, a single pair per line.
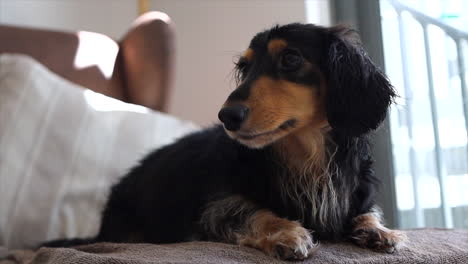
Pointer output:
310, 170
304, 152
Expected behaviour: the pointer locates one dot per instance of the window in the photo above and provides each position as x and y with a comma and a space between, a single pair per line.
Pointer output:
426, 56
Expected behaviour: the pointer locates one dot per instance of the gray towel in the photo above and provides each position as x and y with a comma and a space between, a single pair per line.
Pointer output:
424, 246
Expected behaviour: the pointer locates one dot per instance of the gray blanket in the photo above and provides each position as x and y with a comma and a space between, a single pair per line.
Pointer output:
424, 246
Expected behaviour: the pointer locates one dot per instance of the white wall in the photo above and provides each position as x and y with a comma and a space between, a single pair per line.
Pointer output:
209, 35
111, 17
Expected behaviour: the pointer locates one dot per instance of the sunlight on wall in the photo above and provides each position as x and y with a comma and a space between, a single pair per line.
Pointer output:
318, 12
96, 50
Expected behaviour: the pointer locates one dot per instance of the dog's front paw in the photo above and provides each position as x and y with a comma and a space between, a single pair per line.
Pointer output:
291, 242
379, 239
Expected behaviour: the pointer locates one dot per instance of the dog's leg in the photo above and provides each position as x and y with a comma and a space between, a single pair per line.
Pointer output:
235, 220
368, 231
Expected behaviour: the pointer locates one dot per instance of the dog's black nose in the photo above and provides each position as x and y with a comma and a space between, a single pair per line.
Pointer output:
233, 116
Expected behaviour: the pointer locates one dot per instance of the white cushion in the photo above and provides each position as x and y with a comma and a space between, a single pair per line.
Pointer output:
61, 148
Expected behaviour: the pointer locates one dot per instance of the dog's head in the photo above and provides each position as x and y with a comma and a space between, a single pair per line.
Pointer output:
301, 75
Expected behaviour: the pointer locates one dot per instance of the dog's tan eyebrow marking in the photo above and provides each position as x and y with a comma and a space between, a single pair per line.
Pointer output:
275, 46
248, 54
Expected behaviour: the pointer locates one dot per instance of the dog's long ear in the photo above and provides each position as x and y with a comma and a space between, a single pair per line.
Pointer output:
358, 94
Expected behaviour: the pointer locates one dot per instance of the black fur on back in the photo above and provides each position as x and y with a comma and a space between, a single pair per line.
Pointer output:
162, 199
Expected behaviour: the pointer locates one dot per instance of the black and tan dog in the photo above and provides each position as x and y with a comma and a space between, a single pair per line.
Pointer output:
291, 165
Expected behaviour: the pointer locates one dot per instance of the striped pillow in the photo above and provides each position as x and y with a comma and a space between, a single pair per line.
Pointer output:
61, 147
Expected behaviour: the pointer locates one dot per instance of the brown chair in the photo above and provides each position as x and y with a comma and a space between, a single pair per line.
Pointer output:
136, 69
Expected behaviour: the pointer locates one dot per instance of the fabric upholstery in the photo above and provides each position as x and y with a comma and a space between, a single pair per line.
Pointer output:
429, 246
62, 146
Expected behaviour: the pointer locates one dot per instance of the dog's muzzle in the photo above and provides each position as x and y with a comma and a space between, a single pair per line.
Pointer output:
233, 116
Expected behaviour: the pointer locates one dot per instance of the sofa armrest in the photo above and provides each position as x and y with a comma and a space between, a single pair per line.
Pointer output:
136, 70
147, 51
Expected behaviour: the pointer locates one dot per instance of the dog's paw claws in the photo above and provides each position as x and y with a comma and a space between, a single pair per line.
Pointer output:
379, 239
290, 244
298, 248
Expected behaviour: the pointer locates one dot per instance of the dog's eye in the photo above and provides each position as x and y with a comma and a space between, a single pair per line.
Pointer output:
242, 64
291, 60
242, 67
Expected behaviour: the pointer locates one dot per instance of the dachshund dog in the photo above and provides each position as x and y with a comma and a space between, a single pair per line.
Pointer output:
289, 166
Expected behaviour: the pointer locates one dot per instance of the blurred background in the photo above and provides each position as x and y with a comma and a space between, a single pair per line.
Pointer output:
421, 150
425, 47
210, 35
